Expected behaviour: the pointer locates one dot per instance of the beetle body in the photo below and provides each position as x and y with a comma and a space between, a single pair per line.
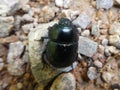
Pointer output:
61, 49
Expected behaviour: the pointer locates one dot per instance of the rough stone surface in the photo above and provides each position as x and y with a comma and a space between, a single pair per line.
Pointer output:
65, 81
106, 4
6, 24
63, 3
15, 51
95, 30
107, 76
82, 21
87, 47
27, 27
114, 39
15, 64
85, 33
98, 63
92, 73
115, 28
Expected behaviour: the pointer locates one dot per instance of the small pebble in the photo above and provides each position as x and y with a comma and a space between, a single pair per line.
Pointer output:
98, 64
92, 73
85, 33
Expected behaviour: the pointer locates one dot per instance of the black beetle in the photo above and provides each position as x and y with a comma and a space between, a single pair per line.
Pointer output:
61, 49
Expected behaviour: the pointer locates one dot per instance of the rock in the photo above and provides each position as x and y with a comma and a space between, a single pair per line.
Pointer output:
10, 39
16, 68
4, 9
92, 73
1, 64
27, 27
13, 87
70, 14
98, 64
113, 49
15, 51
11, 6
47, 13
115, 28
6, 24
104, 42
85, 33
114, 40
83, 20
95, 30
63, 3
27, 17
19, 85
106, 4
15, 64
87, 47
107, 76
64, 81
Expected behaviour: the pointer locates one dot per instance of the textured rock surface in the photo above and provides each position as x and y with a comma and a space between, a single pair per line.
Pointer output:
83, 20
6, 24
65, 81
87, 47
106, 4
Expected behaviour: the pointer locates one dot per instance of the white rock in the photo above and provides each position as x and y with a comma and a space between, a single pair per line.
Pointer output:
85, 33
113, 39
87, 47
106, 4
15, 51
82, 21
4, 9
115, 28
27, 17
1, 64
92, 73
113, 49
6, 24
104, 42
107, 76
98, 64
63, 3
27, 27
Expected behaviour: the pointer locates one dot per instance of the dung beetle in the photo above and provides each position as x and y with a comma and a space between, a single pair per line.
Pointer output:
62, 46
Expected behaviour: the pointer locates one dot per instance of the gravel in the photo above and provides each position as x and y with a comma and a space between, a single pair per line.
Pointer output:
82, 21
106, 4
6, 24
87, 47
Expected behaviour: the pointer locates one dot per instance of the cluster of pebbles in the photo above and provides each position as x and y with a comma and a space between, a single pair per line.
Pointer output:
98, 23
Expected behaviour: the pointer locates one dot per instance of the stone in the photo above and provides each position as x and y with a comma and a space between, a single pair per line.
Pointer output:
107, 76
95, 30
92, 73
98, 64
85, 33
106, 4
6, 24
115, 28
47, 13
15, 51
117, 2
87, 47
83, 20
65, 81
16, 68
15, 63
104, 42
114, 40
10, 39
27, 17
113, 49
19, 85
4, 9
70, 14
27, 27
63, 3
